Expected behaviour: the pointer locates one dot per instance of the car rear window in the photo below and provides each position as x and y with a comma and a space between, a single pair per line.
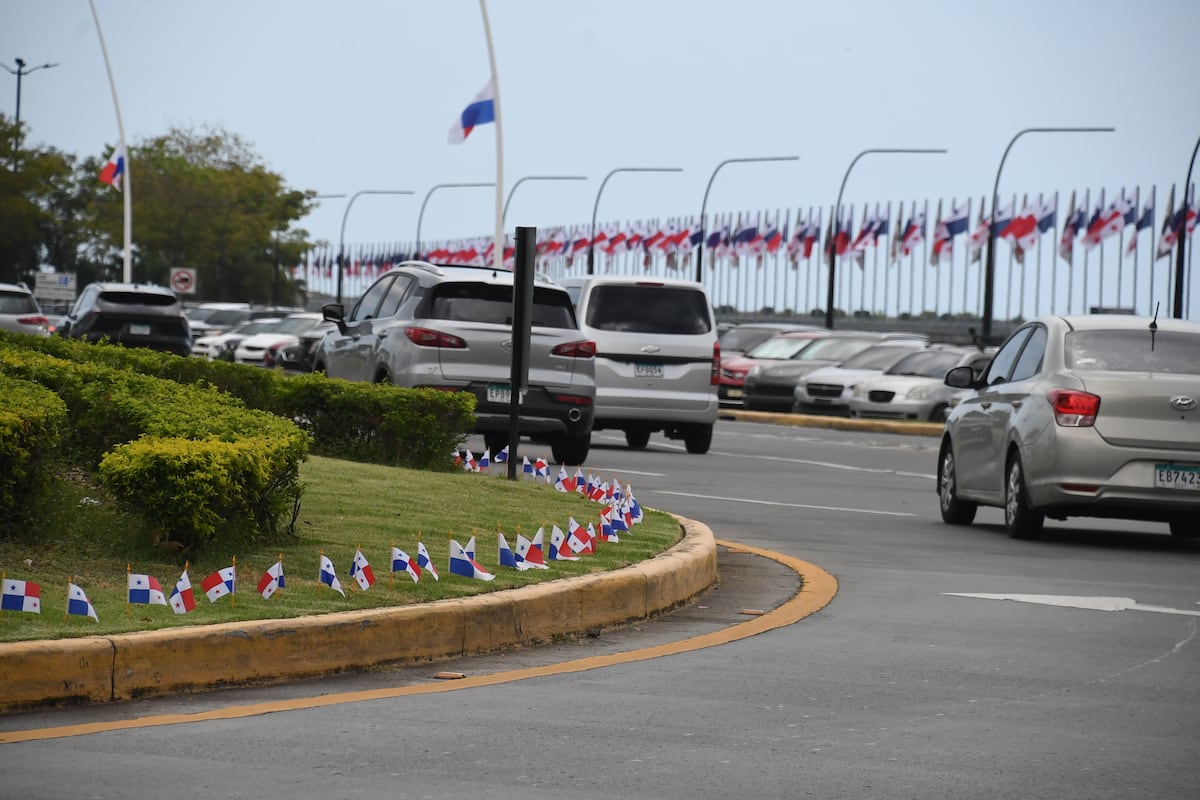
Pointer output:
833, 349
1134, 351
493, 303
138, 299
676, 310
17, 303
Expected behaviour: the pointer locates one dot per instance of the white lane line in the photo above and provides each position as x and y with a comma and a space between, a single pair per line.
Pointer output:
1087, 603
785, 505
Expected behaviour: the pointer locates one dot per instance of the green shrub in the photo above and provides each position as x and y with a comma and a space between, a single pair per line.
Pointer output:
31, 421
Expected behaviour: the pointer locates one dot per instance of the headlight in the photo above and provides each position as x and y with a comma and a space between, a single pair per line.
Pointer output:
753, 373
857, 391
918, 393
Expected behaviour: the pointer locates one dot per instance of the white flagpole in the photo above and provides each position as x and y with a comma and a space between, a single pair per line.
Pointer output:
498, 238
126, 189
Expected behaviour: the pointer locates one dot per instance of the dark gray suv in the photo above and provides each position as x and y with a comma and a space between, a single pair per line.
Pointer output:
450, 328
130, 314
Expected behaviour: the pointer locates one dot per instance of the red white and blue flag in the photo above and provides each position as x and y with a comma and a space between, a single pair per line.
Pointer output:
533, 551
506, 557
271, 581
1146, 220
21, 596
402, 563
112, 172
182, 598
425, 563
577, 538
78, 603
1071, 227
328, 576
145, 590
558, 546
360, 570
479, 111
220, 583
461, 563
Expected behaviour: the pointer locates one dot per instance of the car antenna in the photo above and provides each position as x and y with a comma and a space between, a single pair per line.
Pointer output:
1154, 326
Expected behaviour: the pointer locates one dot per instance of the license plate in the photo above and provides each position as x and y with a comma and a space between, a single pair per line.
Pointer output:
499, 394
644, 370
1177, 476
735, 392
139, 329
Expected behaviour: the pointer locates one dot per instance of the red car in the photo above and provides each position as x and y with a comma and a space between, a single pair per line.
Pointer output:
780, 347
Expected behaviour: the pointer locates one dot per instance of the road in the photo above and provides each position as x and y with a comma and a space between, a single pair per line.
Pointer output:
901, 687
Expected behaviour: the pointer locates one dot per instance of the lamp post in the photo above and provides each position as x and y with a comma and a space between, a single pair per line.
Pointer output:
342, 238
837, 218
1178, 300
704, 203
504, 213
591, 261
989, 279
20, 72
433, 189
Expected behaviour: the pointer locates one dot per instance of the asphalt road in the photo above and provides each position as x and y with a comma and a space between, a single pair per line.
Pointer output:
900, 688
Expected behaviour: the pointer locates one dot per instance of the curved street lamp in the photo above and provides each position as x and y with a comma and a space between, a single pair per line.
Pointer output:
990, 264
432, 189
1178, 300
591, 260
704, 204
20, 72
342, 238
837, 218
504, 213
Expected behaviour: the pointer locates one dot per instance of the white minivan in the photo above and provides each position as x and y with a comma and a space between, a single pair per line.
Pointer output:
657, 358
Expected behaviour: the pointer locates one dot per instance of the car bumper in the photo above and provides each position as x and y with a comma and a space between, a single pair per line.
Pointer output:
539, 412
896, 409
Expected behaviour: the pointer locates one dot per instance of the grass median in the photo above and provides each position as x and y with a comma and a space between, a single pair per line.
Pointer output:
79, 535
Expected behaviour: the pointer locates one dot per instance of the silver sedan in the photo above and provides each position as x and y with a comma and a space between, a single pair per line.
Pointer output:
1095, 416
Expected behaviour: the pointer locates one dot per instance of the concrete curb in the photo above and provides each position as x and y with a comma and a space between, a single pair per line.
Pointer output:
133, 665
837, 423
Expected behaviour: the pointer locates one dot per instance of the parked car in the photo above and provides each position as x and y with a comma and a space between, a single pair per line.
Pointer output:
450, 328
744, 337
129, 314
300, 354
19, 311
222, 345
772, 386
207, 319
252, 349
657, 356
827, 390
914, 388
780, 347
1095, 416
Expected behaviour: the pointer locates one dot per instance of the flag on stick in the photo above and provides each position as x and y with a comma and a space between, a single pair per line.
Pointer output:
78, 603
272, 580
182, 598
20, 596
144, 589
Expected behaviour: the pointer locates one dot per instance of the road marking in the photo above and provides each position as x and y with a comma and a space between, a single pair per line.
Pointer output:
817, 589
1086, 603
785, 505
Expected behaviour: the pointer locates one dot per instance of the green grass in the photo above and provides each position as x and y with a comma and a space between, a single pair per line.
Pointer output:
78, 534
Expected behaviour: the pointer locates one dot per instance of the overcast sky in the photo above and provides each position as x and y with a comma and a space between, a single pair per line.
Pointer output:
359, 94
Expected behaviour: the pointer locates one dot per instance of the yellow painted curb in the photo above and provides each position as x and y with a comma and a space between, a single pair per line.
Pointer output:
837, 423
133, 665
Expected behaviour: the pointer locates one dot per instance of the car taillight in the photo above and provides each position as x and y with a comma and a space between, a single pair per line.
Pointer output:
583, 349
425, 337
33, 321
573, 399
1074, 409
715, 378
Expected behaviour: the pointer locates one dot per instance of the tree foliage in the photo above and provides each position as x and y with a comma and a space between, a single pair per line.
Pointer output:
200, 198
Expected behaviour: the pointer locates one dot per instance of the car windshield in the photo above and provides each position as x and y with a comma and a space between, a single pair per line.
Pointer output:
671, 310
254, 326
295, 324
223, 317
1134, 351
879, 357
780, 347
926, 364
493, 303
834, 348
742, 339
199, 314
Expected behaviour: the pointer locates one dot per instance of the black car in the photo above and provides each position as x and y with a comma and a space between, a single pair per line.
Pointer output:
129, 314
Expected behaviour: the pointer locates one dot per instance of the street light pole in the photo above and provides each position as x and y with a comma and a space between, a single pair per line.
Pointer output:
704, 203
341, 256
837, 219
504, 213
990, 262
1178, 300
20, 72
433, 189
591, 261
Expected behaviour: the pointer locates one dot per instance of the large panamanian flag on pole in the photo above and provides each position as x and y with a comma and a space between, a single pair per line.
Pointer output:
112, 172
479, 111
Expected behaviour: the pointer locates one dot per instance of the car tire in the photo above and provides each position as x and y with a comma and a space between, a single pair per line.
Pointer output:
1185, 525
939, 413
570, 450
495, 442
954, 511
698, 439
1020, 519
637, 438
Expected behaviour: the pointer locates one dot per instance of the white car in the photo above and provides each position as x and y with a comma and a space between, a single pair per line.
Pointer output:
252, 349
19, 311
215, 345
827, 390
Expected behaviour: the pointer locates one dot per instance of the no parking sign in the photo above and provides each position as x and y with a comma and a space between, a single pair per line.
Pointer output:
183, 280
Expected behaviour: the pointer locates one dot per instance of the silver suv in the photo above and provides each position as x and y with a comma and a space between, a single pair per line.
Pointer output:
450, 327
657, 358
20, 312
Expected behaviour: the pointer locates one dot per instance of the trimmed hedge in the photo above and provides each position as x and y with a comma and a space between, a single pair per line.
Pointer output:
32, 419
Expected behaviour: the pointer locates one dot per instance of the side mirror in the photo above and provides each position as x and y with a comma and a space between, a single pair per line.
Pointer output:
335, 313
961, 378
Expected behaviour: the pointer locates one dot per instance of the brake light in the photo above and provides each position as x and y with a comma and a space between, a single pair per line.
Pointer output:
583, 349
33, 321
1074, 409
715, 378
425, 337
572, 399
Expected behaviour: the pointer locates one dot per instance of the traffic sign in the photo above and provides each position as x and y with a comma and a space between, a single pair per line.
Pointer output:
183, 280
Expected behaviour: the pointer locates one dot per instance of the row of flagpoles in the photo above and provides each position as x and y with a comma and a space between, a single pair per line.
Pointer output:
790, 252
619, 512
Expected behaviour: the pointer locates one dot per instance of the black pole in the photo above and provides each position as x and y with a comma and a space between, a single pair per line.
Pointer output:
275, 275
523, 266
1179, 255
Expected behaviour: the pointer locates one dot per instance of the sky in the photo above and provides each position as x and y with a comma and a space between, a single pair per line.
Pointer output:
341, 97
